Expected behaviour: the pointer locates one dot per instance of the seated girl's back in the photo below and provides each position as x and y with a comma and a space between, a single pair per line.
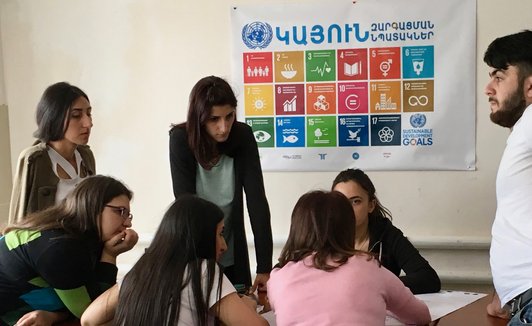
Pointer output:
323, 280
358, 293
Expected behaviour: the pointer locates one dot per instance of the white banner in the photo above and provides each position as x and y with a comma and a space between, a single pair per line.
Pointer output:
377, 85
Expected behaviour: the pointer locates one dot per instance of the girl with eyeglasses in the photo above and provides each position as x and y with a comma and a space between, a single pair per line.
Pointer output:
56, 261
377, 234
60, 158
178, 281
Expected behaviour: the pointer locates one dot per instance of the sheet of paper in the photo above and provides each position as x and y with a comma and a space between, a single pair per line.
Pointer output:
270, 318
442, 303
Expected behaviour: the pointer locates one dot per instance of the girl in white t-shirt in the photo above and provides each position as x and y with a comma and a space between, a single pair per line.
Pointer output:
178, 280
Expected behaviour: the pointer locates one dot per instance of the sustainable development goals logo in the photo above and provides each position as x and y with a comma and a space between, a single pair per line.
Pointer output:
257, 35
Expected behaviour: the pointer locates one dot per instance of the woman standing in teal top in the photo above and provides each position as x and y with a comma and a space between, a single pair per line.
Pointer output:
216, 157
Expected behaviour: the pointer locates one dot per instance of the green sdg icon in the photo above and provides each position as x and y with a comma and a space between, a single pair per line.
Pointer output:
321, 131
262, 131
320, 65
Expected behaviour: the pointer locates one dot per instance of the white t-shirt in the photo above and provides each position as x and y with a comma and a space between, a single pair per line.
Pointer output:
511, 244
188, 311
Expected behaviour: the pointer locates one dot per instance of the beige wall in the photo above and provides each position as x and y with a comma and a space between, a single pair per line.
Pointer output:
138, 59
5, 165
5, 150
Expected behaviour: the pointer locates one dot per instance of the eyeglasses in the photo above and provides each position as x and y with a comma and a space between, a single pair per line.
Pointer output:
124, 212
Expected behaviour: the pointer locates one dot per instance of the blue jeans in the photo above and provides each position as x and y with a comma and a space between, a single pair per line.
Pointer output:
523, 316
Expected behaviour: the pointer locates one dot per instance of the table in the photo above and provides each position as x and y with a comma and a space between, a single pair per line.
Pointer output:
472, 314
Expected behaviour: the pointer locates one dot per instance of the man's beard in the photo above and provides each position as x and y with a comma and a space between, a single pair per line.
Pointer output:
510, 110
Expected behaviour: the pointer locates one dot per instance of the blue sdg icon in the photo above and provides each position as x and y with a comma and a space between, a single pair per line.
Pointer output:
418, 62
418, 120
257, 35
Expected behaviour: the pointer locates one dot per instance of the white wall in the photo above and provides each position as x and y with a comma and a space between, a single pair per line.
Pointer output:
138, 59
5, 156
5, 165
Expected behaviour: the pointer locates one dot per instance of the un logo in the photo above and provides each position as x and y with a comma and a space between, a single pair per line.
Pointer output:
257, 35
418, 120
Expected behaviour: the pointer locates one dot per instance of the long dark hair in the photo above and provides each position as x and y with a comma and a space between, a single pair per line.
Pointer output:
323, 225
362, 179
53, 110
208, 92
80, 212
151, 292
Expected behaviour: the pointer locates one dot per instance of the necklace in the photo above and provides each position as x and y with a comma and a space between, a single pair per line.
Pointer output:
364, 244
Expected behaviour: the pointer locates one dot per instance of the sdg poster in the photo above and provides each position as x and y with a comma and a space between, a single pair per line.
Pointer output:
376, 85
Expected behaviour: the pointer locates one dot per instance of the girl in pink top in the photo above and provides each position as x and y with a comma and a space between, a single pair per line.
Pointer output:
322, 280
